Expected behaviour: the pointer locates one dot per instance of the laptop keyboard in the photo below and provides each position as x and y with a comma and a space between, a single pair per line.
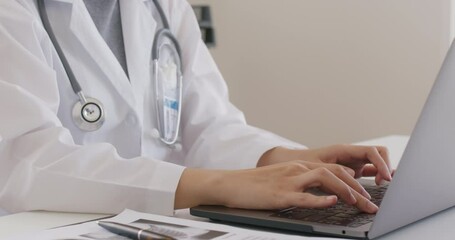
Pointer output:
340, 214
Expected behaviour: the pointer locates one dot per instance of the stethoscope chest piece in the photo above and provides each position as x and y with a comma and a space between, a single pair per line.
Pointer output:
88, 115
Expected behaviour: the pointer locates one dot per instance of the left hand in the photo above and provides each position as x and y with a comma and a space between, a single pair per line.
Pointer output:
359, 161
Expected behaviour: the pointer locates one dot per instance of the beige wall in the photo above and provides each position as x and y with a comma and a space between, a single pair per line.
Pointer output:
330, 71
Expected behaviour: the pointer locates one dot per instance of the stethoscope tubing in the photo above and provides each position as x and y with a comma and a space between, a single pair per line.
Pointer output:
160, 34
47, 25
83, 101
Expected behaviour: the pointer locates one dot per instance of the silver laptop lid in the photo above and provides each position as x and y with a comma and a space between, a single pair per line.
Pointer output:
425, 179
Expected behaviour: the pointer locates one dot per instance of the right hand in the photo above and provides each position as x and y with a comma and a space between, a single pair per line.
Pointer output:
275, 186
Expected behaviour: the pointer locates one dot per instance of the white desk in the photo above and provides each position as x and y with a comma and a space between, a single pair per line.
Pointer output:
439, 226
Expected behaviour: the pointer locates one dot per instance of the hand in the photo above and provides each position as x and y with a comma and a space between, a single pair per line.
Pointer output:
276, 186
360, 160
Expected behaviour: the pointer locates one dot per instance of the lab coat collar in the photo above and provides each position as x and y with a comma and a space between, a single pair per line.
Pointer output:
138, 28
85, 30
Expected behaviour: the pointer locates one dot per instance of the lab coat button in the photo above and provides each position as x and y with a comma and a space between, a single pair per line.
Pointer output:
131, 120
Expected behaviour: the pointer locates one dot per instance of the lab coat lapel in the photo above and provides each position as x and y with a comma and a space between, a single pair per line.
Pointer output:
84, 29
139, 28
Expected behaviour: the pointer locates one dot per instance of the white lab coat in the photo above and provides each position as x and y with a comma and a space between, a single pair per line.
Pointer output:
47, 163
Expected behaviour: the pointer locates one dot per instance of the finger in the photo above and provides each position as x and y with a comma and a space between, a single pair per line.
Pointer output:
346, 177
344, 174
372, 155
364, 204
324, 178
328, 180
350, 171
369, 171
379, 180
384, 152
308, 200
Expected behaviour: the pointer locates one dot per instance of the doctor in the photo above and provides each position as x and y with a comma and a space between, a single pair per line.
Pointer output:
50, 160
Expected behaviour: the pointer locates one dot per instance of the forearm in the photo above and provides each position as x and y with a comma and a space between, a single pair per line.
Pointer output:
276, 186
277, 155
208, 187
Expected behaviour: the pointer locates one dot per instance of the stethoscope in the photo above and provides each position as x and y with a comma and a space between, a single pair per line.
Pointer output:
88, 113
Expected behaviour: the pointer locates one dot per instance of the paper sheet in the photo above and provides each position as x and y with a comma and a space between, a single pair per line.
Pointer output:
174, 227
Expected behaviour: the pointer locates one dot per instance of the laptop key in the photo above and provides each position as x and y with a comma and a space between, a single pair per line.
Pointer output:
340, 214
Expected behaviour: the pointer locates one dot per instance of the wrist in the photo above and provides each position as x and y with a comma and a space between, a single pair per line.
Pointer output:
200, 187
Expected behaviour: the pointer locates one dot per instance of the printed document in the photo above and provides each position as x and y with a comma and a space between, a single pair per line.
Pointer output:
173, 227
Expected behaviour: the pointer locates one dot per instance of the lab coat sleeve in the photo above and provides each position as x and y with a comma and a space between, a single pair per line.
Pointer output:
224, 139
40, 166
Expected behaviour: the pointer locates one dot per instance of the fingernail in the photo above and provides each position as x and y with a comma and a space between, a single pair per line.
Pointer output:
353, 199
331, 198
389, 176
366, 194
372, 207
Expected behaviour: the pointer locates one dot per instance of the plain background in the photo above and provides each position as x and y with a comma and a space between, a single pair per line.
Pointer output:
330, 71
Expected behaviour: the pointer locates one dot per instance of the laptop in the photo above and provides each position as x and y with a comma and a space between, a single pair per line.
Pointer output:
423, 183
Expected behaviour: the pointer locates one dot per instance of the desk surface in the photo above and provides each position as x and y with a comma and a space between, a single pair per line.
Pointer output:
439, 225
